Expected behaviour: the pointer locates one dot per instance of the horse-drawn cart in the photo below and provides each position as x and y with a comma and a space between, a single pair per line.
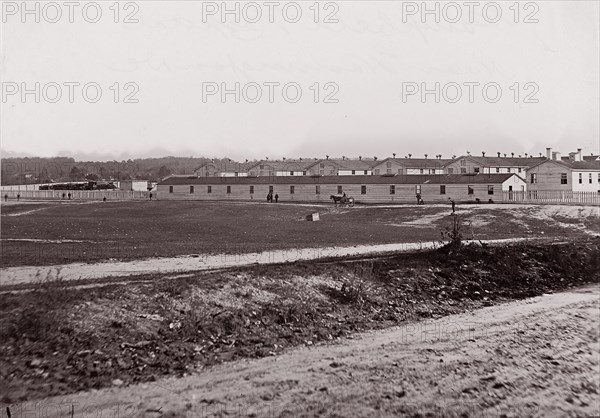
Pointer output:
342, 200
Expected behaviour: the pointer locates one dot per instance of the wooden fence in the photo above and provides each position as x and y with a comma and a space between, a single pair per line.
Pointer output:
552, 197
76, 194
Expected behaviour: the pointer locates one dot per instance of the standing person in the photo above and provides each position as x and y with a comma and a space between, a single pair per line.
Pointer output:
268, 197
418, 198
6, 197
63, 196
150, 195
18, 196
69, 196
104, 199
453, 204
276, 197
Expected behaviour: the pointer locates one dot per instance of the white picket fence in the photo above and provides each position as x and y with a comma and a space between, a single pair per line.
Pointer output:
553, 197
76, 194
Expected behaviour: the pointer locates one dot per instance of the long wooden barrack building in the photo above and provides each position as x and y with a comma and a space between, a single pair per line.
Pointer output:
364, 189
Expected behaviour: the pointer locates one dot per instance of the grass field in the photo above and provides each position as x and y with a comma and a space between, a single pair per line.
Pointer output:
65, 232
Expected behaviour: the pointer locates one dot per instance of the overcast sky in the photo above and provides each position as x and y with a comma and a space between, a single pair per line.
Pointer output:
364, 58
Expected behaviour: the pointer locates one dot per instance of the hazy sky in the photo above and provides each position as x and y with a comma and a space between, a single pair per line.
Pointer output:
364, 58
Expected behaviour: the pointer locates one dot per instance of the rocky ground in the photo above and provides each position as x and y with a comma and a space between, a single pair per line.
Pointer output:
534, 358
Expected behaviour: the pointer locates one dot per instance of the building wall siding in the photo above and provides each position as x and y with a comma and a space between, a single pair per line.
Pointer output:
375, 193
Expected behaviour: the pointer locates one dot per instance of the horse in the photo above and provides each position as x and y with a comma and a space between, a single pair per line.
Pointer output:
342, 200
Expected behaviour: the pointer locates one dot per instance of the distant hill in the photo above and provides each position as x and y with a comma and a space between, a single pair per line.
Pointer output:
27, 170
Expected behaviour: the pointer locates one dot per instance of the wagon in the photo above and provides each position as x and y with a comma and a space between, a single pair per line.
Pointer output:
342, 200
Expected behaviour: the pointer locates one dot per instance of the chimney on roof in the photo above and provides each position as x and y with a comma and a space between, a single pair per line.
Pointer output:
360, 157
375, 158
498, 155
549, 153
578, 156
327, 157
483, 153
425, 156
556, 156
512, 154
394, 154
343, 157
409, 155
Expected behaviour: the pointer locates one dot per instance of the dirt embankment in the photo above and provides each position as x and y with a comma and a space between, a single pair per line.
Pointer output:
534, 358
59, 339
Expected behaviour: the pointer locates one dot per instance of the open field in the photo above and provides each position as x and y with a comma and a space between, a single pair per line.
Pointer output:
34, 233
60, 339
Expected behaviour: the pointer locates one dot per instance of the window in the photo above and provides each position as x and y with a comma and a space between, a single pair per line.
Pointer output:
170, 189
476, 170
388, 171
533, 178
418, 189
365, 172
563, 178
388, 164
399, 171
353, 172
191, 189
304, 173
580, 178
508, 170
322, 165
392, 189
317, 189
251, 189
590, 178
376, 171
270, 189
519, 170
463, 162
363, 189
420, 171
291, 173
450, 171
463, 171
291, 189
209, 189
470, 189
262, 167
340, 191
235, 174
490, 189
598, 177
228, 189
497, 169
443, 189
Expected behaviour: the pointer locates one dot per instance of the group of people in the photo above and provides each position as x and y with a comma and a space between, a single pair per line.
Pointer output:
270, 197
421, 202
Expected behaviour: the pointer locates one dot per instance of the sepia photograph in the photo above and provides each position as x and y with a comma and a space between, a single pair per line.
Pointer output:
310, 208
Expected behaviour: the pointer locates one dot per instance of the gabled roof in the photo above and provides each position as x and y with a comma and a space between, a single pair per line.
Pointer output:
363, 180
503, 161
574, 165
347, 163
418, 162
280, 165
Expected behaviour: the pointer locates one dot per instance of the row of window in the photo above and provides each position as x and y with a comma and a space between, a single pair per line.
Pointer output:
340, 190
564, 179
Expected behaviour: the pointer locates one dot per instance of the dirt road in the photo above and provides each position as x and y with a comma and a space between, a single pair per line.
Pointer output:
539, 357
86, 271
